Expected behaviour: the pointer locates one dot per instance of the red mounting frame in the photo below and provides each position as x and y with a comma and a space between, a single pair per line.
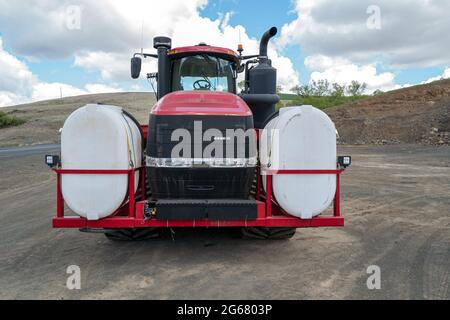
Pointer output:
132, 212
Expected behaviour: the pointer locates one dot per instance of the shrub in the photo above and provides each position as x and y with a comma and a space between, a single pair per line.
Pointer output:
325, 101
9, 121
356, 88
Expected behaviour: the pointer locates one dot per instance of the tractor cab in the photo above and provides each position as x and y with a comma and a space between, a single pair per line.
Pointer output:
215, 69
203, 67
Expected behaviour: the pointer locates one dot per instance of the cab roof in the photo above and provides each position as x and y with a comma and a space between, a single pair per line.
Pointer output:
203, 48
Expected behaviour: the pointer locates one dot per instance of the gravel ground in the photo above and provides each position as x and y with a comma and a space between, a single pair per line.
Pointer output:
396, 200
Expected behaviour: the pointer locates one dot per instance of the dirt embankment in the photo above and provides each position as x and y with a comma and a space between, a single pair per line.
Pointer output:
45, 118
419, 114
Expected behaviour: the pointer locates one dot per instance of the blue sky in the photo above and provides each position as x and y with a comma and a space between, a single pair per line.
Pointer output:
391, 45
281, 12
276, 13
250, 15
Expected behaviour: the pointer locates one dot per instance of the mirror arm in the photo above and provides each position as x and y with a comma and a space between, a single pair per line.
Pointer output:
146, 55
249, 57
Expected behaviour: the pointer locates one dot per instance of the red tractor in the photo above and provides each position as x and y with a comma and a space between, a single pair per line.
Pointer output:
199, 162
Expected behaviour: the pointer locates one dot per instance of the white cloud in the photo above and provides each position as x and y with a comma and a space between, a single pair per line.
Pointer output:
111, 31
112, 66
10, 98
445, 75
15, 75
413, 32
339, 45
343, 71
321, 63
287, 76
101, 88
188, 30
19, 85
48, 91
105, 25
214, 33
225, 18
16, 80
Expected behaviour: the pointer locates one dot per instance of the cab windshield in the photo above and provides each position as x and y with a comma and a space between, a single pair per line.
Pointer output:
203, 72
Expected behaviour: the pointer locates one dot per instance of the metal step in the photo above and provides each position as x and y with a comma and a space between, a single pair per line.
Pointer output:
212, 209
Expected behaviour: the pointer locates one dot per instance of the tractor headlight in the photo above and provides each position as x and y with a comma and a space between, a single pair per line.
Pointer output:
52, 161
201, 162
344, 161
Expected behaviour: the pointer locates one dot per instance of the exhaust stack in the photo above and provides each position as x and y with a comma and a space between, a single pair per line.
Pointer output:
261, 94
269, 34
163, 45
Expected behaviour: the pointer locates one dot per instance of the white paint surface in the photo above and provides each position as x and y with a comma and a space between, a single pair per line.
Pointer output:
301, 138
98, 137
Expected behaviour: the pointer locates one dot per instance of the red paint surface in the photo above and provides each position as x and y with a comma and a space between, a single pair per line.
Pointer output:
131, 215
124, 222
201, 103
205, 49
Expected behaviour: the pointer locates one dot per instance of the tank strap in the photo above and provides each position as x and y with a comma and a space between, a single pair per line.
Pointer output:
130, 151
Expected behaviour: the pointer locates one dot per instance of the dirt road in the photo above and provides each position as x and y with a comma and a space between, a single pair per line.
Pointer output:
397, 204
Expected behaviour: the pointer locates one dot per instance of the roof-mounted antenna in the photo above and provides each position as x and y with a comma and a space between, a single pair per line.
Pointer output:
240, 46
142, 37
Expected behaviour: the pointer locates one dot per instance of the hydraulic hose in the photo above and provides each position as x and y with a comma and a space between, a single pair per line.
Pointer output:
129, 115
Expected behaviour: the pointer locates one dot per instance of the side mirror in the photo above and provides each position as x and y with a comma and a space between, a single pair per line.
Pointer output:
136, 65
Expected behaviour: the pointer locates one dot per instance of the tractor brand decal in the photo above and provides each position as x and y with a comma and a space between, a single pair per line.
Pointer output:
236, 143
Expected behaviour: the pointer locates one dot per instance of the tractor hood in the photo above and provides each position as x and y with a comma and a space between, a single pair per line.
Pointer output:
201, 103
203, 161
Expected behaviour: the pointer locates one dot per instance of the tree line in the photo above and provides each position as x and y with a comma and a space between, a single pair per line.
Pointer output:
323, 88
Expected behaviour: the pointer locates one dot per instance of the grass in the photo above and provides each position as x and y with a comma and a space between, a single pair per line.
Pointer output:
287, 96
323, 102
9, 121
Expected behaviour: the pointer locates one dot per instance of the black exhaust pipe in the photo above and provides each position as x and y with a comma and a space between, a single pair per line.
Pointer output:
265, 41
261, 94
163, 45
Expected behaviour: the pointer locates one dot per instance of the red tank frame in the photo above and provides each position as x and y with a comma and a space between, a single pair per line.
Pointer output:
132, 212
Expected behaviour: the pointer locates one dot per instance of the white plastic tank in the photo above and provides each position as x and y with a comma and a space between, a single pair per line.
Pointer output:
98, 137
301, 138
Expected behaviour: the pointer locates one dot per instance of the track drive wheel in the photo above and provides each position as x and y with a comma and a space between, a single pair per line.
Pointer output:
268, 233
139, 234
